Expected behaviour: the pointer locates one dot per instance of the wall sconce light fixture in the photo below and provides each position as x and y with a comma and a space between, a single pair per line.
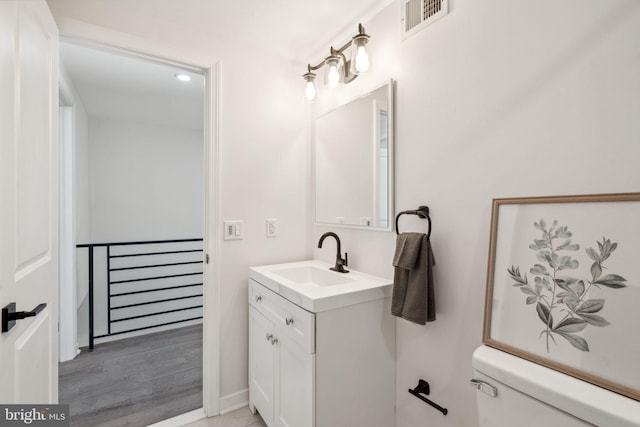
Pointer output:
339, 68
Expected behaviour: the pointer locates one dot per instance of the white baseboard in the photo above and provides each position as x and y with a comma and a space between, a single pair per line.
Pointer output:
181, 420
228, 403
234, 401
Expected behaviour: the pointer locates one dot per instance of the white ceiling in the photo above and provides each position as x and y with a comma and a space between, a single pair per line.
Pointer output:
290, 28
293, 29
119, 87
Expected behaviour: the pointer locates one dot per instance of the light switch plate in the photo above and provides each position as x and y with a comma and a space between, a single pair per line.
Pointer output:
272, 227
233, 230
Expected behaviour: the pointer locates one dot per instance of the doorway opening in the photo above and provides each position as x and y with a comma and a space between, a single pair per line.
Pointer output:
134, 191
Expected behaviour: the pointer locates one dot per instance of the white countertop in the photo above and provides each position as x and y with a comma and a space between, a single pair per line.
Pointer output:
357, 287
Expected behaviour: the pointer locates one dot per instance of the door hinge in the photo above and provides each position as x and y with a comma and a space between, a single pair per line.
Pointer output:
206, 258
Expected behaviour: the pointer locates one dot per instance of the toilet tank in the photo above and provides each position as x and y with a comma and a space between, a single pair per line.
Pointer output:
515, 392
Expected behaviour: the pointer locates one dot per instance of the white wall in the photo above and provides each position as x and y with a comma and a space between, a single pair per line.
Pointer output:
80, 137
264, 165
82, 219
146, 181
263, 157
74, 212
81, 170
498, 99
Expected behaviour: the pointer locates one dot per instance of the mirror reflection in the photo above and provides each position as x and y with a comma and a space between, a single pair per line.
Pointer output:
353, 162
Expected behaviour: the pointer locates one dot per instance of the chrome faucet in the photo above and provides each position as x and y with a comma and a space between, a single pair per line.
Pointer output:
340, 263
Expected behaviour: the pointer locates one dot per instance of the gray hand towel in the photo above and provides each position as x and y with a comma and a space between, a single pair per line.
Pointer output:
407, 250
413, 295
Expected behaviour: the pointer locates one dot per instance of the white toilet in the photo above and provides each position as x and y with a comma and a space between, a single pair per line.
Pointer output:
515, 392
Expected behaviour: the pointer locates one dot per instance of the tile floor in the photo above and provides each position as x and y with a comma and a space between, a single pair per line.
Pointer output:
238, 418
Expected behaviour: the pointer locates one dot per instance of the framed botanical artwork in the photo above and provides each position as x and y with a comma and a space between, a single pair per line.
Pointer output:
563, 286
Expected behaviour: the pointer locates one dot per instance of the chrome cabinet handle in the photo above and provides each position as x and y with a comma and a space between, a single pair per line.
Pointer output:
484, 387
274, 341
269, 337
289, 321
258, 298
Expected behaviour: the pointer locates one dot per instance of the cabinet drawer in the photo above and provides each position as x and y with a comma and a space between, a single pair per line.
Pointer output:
295, 322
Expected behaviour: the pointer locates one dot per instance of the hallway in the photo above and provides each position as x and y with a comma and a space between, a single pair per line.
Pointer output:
136, 381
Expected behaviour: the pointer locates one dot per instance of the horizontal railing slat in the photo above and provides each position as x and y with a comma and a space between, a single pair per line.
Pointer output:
155, 302
155, 290
157, 253
154, 278
156, 313
138, 267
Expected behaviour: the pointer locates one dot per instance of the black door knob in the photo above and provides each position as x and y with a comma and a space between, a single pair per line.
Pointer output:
10, 315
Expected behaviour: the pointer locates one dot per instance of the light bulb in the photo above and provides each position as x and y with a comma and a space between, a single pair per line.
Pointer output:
310, 90
334, 75
362, 60
182, 77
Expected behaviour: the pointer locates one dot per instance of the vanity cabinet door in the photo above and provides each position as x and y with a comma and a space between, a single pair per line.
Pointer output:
295, 385
261, 365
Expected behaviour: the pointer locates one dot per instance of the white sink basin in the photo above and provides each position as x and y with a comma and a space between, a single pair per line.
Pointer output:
312, 275
312, 286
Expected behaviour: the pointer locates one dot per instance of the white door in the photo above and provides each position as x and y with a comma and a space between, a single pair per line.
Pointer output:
29, 200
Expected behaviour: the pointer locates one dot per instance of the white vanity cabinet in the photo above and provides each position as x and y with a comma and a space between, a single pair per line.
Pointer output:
328, 367
281, 359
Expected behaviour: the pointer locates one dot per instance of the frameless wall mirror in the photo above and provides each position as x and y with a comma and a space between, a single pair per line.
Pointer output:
353, 152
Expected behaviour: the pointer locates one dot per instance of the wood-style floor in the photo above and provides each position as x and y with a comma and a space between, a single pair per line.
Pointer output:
135, 382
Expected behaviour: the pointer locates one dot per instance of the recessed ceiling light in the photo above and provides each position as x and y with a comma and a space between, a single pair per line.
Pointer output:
183, 77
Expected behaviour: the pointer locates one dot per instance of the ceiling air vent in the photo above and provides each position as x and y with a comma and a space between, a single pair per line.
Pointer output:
417, 14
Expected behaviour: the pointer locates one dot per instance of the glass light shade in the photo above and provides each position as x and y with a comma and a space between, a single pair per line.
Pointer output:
311, 90
333, 70
359, 55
